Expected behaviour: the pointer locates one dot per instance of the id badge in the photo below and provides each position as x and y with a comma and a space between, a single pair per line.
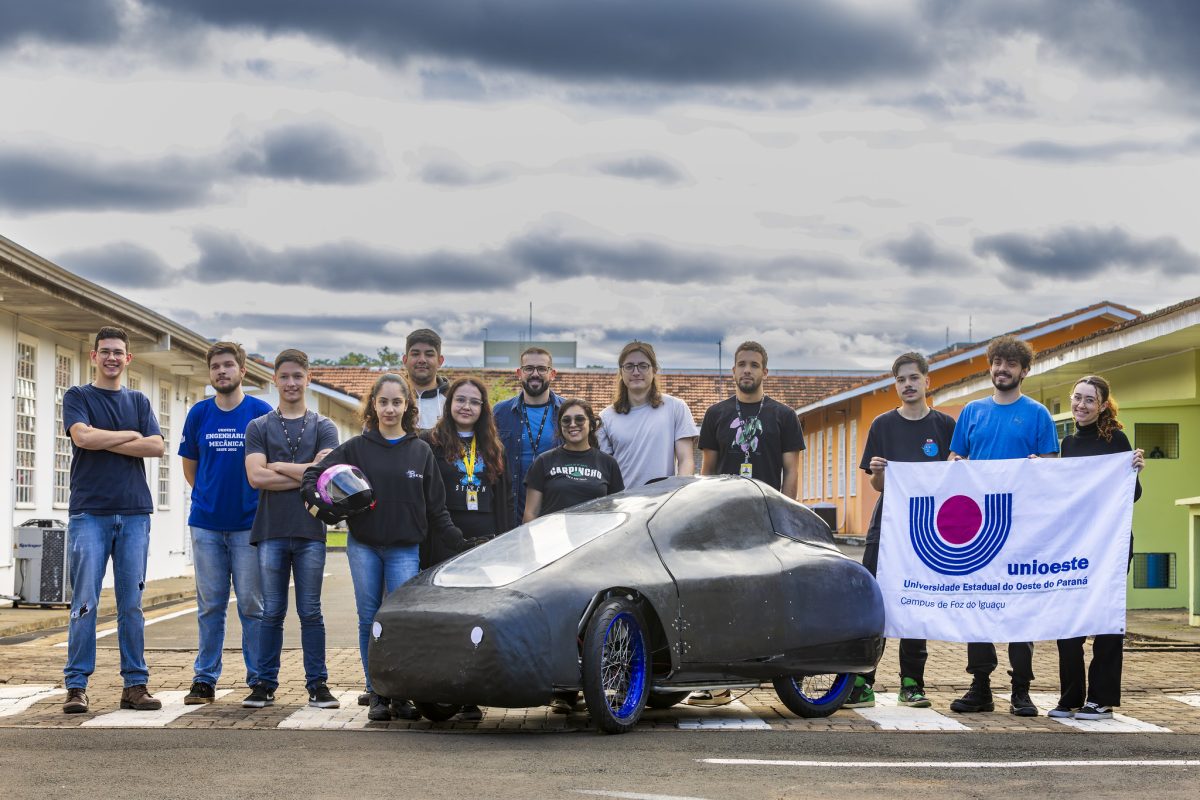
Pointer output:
747, 470
472, 500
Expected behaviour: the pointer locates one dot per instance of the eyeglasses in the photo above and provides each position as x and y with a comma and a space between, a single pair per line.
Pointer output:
468, 401
574, 421
111, 353
641, 366
1083, 401
529, 369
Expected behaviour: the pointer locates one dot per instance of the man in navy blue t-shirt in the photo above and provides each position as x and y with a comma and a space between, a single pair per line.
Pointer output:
1006, 425
223, 506
112, 429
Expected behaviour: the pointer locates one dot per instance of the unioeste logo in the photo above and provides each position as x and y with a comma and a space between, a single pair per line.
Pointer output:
964, 538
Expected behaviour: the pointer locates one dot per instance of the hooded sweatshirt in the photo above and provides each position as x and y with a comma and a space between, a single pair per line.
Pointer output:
410, 499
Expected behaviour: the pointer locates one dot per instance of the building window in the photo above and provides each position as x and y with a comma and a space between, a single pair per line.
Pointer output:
841, 477
852, 458
829, 461
164, 463
1064, 428
819, 471
64, 378
1158, 439
133, 382
1154, 570
26, 439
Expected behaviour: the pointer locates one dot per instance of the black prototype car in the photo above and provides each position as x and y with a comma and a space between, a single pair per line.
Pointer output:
638, 598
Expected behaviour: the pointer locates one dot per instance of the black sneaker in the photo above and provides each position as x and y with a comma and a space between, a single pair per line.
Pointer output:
380, 709
319, 696
260, 696
364, 699
404, 709
978, 698
469, 714
1091, 710
1020, 704
200, 694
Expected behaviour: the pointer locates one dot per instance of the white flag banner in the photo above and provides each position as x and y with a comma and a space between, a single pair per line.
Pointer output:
1006, 551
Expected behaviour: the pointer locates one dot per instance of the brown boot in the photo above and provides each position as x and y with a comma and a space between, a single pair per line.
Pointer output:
138, 699
76, 702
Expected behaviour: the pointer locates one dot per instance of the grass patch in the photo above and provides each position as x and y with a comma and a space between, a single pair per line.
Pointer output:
335, 538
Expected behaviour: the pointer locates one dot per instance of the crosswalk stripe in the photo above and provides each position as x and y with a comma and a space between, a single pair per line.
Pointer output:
172, 709
15, 699
889, 715
1191, 699
350, 716
1119, 723
735, 716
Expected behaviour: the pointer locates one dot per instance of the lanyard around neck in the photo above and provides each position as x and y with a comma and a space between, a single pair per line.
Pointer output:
469, 463
534, 443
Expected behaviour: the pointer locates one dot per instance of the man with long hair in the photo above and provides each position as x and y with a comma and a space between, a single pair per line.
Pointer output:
651, 434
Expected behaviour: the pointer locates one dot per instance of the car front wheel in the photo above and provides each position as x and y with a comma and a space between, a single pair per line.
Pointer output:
814, 695
616, 666
437, 712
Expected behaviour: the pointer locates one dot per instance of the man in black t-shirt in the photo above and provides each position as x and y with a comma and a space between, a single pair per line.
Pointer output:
750, 434
753, 436
912, 432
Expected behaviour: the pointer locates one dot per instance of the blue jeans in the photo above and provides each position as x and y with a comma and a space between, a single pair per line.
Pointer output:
222, 557
93, 539
278, 561
374, 570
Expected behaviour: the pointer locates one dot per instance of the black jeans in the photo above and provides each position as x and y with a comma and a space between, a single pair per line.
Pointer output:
1103, 676
913, 652
981, 661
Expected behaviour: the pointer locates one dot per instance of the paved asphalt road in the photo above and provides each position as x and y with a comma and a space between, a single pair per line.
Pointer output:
656, 766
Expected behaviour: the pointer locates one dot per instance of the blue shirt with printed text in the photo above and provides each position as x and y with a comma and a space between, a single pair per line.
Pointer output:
222, 499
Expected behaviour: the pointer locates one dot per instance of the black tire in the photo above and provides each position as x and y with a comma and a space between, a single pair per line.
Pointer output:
437, 712
666, 700
812, 696
616, 666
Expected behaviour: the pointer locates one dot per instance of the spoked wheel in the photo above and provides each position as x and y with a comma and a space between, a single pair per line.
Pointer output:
814, 695
616, 666
437, 712
666, 699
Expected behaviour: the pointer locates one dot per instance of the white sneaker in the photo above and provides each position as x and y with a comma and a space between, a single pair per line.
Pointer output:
710, 698
1093, 711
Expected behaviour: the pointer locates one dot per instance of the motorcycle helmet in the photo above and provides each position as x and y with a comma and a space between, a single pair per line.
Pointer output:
344, 491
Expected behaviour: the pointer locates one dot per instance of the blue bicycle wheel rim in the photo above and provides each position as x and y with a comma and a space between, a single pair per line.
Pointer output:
636, 683
829, 696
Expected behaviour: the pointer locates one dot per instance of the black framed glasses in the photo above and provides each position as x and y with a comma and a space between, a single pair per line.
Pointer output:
529, 369
640, 366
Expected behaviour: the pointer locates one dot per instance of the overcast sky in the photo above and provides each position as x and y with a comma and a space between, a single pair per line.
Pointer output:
840, 180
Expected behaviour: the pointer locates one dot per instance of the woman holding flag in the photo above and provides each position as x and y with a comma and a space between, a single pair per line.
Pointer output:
1097, 432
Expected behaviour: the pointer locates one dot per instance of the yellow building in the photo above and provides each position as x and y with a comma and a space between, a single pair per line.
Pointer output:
835, 427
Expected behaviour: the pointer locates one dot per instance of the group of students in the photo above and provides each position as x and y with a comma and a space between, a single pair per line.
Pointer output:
450, 471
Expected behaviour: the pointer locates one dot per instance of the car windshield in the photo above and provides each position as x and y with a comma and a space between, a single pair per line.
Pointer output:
526, 549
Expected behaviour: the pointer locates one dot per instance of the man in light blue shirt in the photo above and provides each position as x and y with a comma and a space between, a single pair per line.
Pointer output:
1006, 425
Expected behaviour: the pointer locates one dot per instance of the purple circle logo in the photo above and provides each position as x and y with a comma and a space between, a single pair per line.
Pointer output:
959, 520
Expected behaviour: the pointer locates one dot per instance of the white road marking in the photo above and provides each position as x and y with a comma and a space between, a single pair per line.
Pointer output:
100, 634
1118, 724
634, 795
173, 708
762, 762
350, 716
1190, 699
735, 716
15, 699
889, 715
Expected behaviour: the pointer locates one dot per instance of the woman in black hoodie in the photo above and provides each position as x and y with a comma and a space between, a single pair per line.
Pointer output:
1097, 432
410, 508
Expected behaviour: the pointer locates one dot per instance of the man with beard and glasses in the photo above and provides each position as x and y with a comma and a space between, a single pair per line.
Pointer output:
223, 507
526, 422
1006, 425
422, 360
753, 436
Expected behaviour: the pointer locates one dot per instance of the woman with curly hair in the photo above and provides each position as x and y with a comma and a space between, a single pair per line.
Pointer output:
410, 507
1097, 432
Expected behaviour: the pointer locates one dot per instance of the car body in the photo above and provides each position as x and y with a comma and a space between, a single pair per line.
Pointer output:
734, 583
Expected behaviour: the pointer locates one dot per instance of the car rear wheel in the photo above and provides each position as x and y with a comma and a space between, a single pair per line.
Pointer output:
666, 699
616, 666
814, 695
437, 712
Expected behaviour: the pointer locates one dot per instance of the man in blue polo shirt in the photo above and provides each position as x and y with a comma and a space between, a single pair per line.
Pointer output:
526, 422
223, 506
112, 430
1006, 425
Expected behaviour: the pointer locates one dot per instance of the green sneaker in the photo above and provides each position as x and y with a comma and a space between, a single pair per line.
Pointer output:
912, 695
861, 696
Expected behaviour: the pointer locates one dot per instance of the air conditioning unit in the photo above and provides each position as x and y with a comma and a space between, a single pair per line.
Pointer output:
43, 574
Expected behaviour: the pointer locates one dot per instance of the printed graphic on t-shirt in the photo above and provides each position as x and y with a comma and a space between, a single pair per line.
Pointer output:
225, 440
930, 448
746, 437
577, 472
